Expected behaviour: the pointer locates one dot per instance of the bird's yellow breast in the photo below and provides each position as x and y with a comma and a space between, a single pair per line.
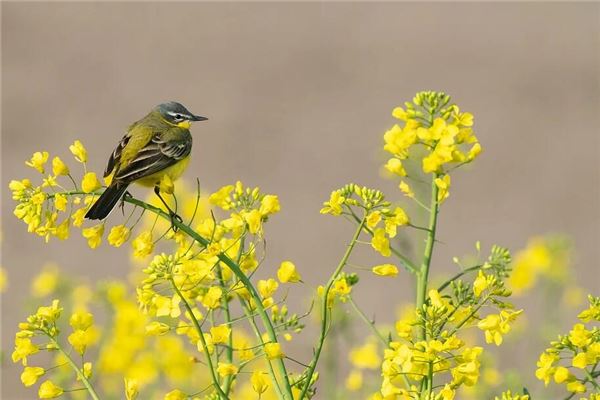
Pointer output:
174, 172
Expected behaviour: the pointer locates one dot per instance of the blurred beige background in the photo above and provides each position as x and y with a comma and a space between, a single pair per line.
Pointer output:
298, 97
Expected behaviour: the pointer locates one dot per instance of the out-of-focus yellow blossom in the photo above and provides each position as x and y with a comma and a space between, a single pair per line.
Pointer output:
467, 371
118, 235
45, 283
49, 390
212, 298
365, 356
78, 217
60, 202
385, 270
167, 306
394, 219
381, 243
131, 388
273, 351
93, 235
259, 382
221, 197
354, 381
143, 245
176, 395
156, 328
443, 185
482, 282
267, 287
446, 393
226, 369
373, 219
78, 151
334, 205
269, 205
81, 320
59, 167
497, 325
30, 375
38, 160
166, 185
220, 334
405, 188
287, 273
395, 166
509, 396
80, 340
23, 348
3, 280
90, 182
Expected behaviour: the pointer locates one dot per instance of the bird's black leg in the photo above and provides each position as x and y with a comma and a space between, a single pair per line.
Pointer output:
122, 204
172, 214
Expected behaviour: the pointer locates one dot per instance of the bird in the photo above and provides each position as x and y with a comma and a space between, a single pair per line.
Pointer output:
155, 146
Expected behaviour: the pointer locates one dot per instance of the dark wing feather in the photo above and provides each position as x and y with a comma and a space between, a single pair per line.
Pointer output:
115, 157
157, 155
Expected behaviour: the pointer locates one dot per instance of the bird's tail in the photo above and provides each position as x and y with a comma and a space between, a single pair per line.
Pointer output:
107, 201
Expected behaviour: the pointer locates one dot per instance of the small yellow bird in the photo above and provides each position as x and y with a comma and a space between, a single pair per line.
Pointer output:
157, 145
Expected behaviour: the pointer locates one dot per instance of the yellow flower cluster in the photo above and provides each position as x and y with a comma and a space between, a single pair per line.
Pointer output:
382, 220
439, 128
573, 360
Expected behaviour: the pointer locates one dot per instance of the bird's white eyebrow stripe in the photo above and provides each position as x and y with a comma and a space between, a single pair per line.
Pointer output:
174, 114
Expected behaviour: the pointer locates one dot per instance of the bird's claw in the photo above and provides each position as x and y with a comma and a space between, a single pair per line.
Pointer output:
122, 204
174, 217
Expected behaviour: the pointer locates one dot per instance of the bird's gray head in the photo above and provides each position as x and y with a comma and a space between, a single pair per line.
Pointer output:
176, 113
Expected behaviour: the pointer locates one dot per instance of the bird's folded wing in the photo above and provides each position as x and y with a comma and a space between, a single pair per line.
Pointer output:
157, 155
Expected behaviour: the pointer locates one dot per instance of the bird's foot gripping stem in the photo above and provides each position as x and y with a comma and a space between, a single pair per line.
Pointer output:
126, 196
172, 214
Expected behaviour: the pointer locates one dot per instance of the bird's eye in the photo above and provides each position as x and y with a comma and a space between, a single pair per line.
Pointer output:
178, 116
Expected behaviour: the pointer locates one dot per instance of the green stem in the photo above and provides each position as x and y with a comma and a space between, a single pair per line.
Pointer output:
385, 341
202, 340
325, 309
423, 273
78, 371
250, 317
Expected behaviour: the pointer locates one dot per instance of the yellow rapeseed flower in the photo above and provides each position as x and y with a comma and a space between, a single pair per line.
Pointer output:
273, 351
269, 205
93, 235
220, 334
287, 273
79, 151
267, 288
385, 270
49, 390
143, 245
59, 167
381, 243
259, 383
176, 395
30, 375
226, 369
118, 235
212, 298
90, 182
37, 161
131, 388
365, 356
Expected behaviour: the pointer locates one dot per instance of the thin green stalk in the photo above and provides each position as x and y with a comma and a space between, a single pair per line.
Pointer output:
385, 341
423, 274
77, 370
325, 308
202, 340
250, 317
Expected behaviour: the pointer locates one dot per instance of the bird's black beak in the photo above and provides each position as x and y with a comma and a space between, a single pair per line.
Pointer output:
198, 118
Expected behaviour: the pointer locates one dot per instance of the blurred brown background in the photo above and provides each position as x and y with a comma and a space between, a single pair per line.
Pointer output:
298, 97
